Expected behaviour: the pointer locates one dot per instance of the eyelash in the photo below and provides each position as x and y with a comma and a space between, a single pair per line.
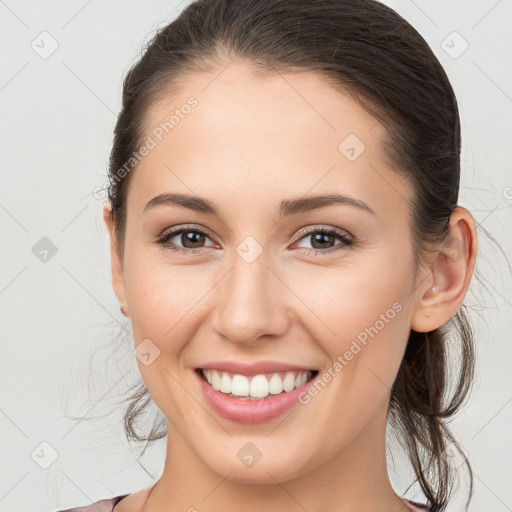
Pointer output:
347, 243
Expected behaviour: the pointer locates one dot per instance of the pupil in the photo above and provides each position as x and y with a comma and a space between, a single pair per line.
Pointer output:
191, 237
319, 237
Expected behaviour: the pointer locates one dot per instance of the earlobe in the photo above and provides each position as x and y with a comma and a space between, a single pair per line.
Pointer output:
450, 273
115, 258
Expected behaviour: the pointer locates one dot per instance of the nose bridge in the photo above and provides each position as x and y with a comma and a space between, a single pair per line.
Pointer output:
251, 299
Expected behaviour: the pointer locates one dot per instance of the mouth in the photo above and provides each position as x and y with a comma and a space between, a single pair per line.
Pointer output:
255, 387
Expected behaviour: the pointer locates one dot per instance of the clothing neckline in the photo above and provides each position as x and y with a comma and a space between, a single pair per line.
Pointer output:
117, 499
418, 506
415, 504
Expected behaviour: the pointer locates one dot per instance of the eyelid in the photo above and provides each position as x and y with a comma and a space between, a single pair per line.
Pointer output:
176, 229
319, 227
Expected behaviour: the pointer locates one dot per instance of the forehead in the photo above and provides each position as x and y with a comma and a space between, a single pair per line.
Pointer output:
261, 136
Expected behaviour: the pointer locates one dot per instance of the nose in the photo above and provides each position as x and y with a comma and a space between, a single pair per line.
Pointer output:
251, 303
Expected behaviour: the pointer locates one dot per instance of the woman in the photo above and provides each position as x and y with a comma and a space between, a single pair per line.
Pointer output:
286, 240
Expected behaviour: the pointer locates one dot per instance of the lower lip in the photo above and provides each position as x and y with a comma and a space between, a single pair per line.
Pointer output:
251, 411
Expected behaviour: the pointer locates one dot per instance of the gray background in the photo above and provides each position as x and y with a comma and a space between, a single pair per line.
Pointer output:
60, 316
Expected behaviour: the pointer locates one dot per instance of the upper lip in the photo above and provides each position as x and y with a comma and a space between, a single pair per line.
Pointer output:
257, 368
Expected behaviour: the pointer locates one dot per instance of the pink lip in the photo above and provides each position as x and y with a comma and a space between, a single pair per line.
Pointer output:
250, 411
247, 369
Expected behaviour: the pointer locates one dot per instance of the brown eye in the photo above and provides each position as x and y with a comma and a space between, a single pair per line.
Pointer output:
191, 239
324, 240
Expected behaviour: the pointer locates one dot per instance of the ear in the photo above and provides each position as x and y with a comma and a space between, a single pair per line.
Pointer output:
441, 293
116, 260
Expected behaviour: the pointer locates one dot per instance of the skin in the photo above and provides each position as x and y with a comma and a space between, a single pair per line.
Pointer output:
252, 142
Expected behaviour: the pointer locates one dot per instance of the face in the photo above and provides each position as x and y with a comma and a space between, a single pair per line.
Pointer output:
327, 287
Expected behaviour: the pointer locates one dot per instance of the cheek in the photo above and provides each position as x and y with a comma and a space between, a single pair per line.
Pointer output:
346, 299
362, 318
165, 305
162, 297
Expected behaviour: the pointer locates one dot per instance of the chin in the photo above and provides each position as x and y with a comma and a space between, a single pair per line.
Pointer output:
264, 471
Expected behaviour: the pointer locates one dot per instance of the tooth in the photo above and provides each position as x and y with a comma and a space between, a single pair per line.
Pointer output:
259, 386
215, 380
275, 384
289, 381
205, 375
225, 383
240, 385
256, 387
298, 380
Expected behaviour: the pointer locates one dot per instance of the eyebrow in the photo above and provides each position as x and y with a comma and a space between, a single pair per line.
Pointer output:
287, 207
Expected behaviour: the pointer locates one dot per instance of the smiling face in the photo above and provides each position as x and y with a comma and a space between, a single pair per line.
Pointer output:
254, 280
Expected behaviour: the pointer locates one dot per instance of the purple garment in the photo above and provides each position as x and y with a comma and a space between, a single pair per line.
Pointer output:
109, 504
419, 505
106, 505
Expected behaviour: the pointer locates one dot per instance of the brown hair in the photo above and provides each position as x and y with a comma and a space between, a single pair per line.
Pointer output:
370, 51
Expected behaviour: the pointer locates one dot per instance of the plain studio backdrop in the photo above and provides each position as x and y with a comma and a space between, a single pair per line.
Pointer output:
62, 65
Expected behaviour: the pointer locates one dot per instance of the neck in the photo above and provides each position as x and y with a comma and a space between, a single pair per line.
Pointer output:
355, 478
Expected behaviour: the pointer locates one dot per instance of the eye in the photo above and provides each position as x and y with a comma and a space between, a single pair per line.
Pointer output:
190, 236
323, 238
193, 238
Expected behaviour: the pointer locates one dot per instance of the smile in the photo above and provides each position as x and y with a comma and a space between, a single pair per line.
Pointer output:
257, 387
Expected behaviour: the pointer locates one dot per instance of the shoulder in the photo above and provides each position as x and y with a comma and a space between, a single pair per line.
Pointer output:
105, 505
